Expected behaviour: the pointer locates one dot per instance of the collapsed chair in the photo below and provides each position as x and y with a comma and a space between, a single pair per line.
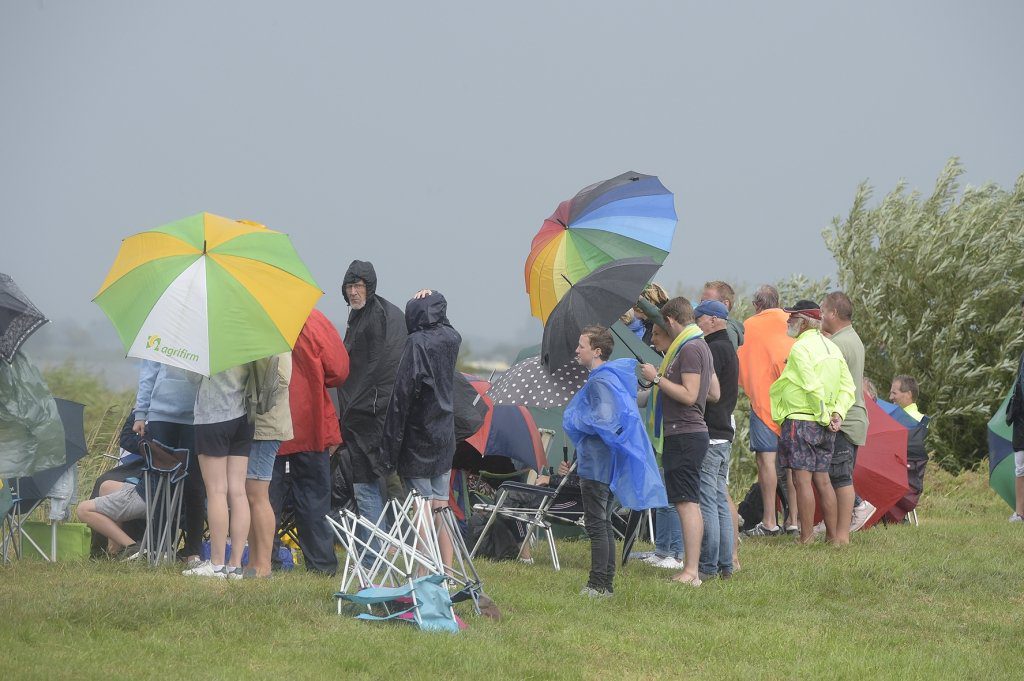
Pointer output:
399, 557
162, 485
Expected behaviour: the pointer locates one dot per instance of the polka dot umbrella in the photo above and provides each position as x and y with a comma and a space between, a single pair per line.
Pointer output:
529, 384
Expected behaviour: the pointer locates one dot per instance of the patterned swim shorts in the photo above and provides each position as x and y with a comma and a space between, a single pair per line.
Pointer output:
806, 446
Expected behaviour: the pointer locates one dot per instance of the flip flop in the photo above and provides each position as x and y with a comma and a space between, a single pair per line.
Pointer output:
693, 581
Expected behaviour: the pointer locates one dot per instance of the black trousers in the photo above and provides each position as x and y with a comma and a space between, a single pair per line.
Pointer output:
308, 487
597, 518
193, 501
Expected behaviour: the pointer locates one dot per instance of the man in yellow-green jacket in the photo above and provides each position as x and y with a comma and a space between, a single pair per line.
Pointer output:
809, 402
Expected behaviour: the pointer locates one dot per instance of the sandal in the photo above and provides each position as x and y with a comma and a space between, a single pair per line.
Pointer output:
692, 581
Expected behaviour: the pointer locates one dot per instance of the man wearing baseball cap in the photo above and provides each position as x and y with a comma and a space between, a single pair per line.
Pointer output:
716, 555
809, 402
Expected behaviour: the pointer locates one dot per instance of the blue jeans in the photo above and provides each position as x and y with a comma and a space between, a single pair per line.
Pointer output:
370, 498
668, 533
716, 546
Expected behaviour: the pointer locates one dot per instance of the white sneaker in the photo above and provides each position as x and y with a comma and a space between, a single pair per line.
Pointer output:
861, 514
1017, 518
820, 528
205, 569
669, 563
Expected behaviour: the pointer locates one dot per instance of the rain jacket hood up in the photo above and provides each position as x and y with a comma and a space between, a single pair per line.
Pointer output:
374, 339
612, 446
419, 432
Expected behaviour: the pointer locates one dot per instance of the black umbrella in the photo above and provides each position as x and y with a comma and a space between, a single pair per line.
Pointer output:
601, 297
529, 384
72, 417
18, 318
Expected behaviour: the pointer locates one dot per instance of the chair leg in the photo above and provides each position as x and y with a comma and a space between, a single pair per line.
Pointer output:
490, 521
553, 549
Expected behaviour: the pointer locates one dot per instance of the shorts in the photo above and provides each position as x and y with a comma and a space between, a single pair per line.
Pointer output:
1018, 464
806, 446
262, 456
844, 458
682, 457
227, 438
124, 504
762, 438
430, 488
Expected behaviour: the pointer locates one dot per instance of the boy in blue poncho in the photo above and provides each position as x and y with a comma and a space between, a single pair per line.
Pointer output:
613, 451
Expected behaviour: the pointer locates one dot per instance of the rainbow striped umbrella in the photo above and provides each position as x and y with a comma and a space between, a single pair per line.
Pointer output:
208, 293
629, 216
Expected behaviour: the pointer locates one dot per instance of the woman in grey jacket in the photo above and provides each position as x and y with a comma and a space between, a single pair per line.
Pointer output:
223, 439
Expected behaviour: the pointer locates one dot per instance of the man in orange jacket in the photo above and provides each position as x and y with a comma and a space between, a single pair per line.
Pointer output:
762, 356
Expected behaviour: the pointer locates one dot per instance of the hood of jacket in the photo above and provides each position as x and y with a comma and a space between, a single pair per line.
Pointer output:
623, 371
360, 270
426, 313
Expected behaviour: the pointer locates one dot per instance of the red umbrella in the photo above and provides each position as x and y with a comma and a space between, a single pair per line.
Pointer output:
880, 475
479, 439
881, 472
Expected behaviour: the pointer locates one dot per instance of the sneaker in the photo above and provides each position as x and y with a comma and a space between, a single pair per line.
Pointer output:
861, 514
232, 573
526, 561
191, 562
1017, 518
792, 529
205, 569
652, 559
641, 555
760, 530
669, 563
819, 528
591, 592
130, 552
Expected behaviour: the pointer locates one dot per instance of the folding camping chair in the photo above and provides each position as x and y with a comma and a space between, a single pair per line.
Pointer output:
535, 518
162, 482
12, 529
408, 549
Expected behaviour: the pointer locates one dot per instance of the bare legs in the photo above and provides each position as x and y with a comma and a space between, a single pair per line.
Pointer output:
225, 488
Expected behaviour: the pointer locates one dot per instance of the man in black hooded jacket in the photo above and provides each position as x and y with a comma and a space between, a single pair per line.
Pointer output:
419, 432
374, 339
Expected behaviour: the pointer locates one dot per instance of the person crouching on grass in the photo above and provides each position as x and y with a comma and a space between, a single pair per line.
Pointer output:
614, 454
809, 402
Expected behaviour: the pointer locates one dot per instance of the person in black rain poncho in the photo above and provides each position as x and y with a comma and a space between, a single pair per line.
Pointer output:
374, 339
419, 431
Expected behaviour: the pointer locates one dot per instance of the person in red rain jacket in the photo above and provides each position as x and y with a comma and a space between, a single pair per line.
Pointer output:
319, 362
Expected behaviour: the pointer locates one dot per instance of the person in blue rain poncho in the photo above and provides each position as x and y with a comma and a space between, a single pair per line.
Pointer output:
613, 451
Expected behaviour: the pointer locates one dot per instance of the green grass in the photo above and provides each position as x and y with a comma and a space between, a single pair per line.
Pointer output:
942, 600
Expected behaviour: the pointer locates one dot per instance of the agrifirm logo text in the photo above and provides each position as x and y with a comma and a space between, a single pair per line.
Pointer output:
155, 343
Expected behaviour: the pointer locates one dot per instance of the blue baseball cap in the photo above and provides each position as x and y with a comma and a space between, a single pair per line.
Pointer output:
712, 308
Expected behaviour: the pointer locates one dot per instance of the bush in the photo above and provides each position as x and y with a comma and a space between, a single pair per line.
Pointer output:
936, 284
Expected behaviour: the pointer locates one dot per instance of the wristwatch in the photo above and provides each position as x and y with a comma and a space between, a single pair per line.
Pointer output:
657, 380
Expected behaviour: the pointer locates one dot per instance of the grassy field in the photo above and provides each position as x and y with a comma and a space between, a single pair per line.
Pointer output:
940, 600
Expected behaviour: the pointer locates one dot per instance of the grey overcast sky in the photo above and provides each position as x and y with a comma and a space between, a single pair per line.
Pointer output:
433, 138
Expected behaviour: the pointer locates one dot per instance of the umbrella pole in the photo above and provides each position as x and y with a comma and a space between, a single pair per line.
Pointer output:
638, 358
